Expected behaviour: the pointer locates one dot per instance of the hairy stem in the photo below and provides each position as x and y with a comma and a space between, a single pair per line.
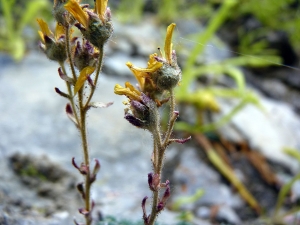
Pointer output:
98, 70
85, 154
172, 119
153, 214
69, 55
159, 152
70, 92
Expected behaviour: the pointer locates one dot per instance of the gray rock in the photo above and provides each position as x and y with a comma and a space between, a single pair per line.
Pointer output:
267, 131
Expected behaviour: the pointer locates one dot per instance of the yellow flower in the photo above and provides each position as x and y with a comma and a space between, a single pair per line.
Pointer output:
142, 74
100, 8
94, 24
53, 45
45, 31
75, 9
162, 73
129, 91
82, 16
168, 43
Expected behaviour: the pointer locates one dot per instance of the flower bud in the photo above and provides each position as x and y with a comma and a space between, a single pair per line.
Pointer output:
54, 49
162, 203
168, 76
145, 217
153, 181
59, 12
84, 55
97, 31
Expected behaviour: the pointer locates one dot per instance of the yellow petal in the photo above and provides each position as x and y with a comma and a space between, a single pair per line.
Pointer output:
84, 74
74, 8
137, 74
41, 36
44, 27
100, 8
119, 90
132, 88
168, 42
59, 31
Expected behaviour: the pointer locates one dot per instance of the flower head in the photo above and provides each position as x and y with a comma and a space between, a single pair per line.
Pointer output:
53, 45
84, 54
94, 24
139, 105
162, 73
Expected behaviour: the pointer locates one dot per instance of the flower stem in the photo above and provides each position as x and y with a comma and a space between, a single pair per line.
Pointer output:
153, 214
98, 70
69, 53
172, 119
159, 152
85, 154
70, 92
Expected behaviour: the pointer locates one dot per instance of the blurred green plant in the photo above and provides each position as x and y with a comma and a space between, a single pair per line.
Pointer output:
176, 205
15, 16
136, 10
276, 15
186, 216
206, 98
285, 190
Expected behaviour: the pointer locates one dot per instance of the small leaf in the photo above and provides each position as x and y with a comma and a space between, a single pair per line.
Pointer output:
100, 104
71, 116
62, 93
84, 74
64, 76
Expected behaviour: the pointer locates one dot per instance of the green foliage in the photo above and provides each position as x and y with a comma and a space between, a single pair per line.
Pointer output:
16, 16
286, 189
187, 199
205, 98
136, 10
276, 15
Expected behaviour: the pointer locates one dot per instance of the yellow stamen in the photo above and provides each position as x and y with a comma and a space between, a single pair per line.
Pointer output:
168, 42
100, 8
44, 27
74, 8
119, 90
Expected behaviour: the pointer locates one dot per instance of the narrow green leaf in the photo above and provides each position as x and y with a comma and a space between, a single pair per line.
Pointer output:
187, 199
31, 11
238, 77
293, 153
283, 193
230, 175
18, 48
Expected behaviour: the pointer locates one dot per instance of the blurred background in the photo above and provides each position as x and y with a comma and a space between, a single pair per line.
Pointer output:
239, 99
